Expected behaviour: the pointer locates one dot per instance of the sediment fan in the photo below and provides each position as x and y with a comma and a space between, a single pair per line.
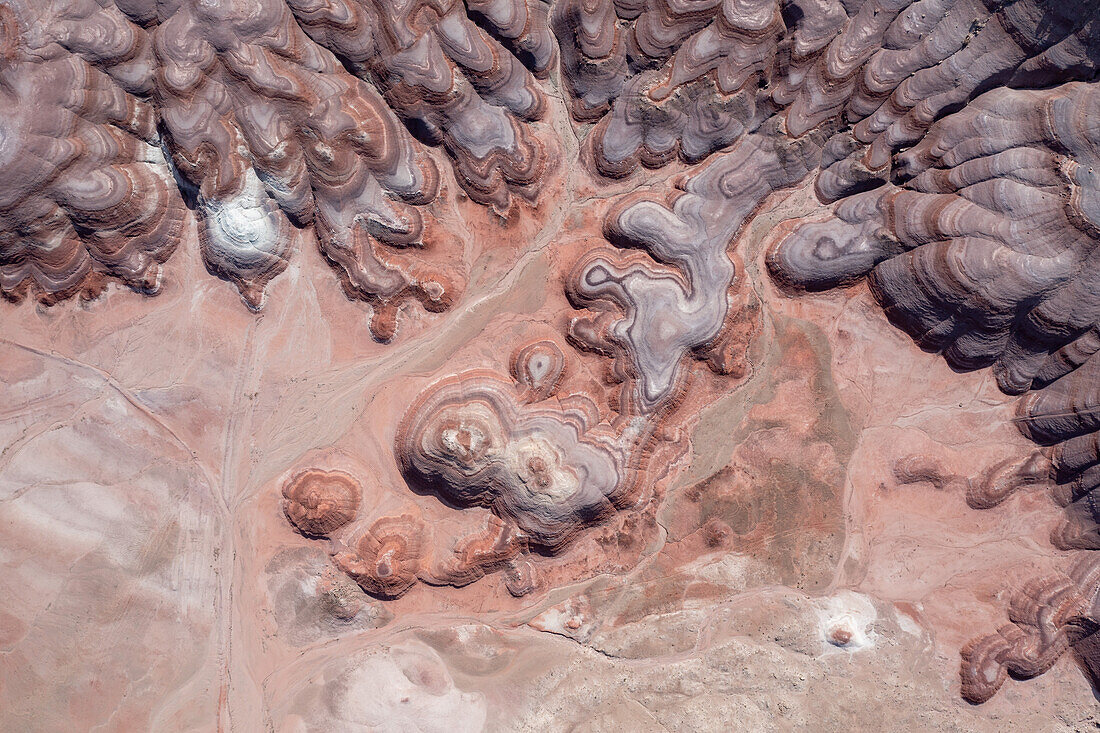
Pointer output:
955, 142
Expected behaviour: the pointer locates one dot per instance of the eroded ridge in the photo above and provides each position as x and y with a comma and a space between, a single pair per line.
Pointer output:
852, 85
1049, 616
665, 79
984, 491
442, 68
273, 115
1002, 192
1065, 415
922, 61
85, 193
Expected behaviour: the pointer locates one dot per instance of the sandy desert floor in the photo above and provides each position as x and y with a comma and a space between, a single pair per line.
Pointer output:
307, 517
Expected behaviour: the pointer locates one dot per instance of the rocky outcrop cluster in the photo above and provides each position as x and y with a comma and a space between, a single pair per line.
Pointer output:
388, 555
539, 460
541, 463
261, 117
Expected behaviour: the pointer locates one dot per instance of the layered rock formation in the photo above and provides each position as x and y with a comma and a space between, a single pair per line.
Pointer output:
321, 502
666, 80
551, 470
587, 380
977, 240
87, 193
272, 115
385, 559
1049, 616
678, 302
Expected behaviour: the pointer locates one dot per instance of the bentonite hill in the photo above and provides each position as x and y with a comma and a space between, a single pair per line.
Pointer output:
549, 365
